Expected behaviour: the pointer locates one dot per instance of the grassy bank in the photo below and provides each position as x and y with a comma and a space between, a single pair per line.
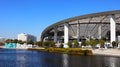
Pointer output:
72, 51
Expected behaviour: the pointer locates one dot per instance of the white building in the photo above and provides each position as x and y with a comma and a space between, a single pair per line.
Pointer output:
26, 37
2, 39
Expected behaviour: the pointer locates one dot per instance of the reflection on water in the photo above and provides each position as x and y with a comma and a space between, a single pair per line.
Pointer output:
65, 60
25, 58
112, 62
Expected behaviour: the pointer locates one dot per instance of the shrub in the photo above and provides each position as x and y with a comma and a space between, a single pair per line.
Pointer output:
61, 46
67, 51
39, 43
93, 43
49, 44
101, 42
20, 41
30, 42
73, 51
73, 43
114, 44
15, 41
9, 41
87, 52
70, 44
83, 43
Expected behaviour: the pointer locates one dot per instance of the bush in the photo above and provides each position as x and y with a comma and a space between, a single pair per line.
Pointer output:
30, 42
72, 51
101, 42
9, 41
87, 52
83, 43
73, 43
93, 43
20, 41
114, 44
49, 44
70, 44
61, 46
15, 41
39, 43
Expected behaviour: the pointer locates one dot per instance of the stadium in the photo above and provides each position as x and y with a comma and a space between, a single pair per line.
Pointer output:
92, 26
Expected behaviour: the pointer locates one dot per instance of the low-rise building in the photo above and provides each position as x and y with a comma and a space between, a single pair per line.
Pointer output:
2, 39
26, 37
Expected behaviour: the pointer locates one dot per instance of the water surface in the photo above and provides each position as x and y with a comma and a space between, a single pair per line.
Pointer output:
27, 58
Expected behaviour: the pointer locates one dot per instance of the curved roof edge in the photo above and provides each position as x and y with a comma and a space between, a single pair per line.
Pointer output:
80, 17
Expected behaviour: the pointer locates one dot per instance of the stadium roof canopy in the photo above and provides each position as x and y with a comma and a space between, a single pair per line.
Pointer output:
88, 24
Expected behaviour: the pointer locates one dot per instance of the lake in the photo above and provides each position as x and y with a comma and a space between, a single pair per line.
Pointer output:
29, 58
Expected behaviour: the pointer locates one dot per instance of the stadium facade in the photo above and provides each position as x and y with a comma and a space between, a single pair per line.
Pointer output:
97, 25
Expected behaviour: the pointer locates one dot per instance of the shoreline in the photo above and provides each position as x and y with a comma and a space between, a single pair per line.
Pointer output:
107, 52
99, 52
22, 48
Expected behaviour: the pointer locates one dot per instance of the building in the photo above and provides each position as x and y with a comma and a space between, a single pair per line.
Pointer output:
2, 39
26, 37
97, 25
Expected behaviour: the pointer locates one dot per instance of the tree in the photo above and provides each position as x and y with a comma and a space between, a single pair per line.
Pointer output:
70, 43
46, 44
49, 44
61, 46
39, 43
20, 42
9, 41
15, 41
114, 43
87, 42
93, 43
30, 42
83, 43
75, 43
52, 44
101, 42
24, 42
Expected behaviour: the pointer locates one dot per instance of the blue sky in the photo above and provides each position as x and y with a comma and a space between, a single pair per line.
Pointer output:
33, 16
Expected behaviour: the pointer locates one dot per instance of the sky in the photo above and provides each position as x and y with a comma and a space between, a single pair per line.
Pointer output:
33, 16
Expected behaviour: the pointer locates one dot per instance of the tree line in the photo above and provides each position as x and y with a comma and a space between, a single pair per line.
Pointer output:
71, 43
